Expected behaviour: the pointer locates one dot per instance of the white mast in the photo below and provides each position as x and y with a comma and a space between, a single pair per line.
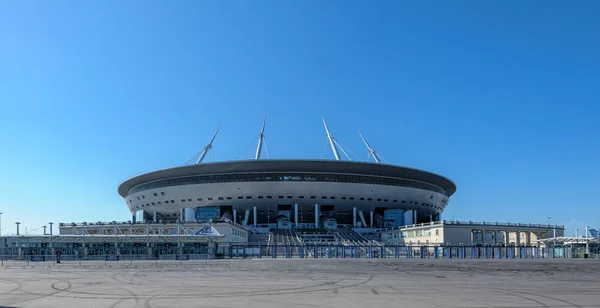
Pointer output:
260, 140
207, 148
330, 137
371, 150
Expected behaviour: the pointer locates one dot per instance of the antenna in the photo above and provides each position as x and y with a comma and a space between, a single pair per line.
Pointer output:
260, 139
371, 150
330, 137
207, 147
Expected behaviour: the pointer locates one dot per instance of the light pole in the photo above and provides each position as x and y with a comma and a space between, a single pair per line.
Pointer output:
17, 223
549, 218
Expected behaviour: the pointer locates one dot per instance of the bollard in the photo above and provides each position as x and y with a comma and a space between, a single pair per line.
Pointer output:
435, 252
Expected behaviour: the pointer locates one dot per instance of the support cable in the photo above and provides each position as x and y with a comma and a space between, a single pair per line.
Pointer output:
347, 149
266, 147
341, 148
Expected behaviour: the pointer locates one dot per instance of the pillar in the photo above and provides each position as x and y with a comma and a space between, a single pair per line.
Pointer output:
528, 238
518, 240
190, 214
180, 215
235, 216
354, 216
415, 217
296, 220
254, 215
246, 217
154, 217
371, 218
507, 237
133, 218
316, 215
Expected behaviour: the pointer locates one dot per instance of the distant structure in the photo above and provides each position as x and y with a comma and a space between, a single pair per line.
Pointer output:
267, 193
306, 207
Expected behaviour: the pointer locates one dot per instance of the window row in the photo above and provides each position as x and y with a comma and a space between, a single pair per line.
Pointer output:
299, 197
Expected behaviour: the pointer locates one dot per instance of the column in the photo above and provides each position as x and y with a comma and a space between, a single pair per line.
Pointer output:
528, 238
354, 216
254, 215
296, 220
180, 215
133, 218
371, 218
189, 214
316, 215
507, 237
154, 217
518, 240
415, 217
234, 216
246, 217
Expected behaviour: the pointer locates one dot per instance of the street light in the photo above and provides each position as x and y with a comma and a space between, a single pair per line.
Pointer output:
549, 217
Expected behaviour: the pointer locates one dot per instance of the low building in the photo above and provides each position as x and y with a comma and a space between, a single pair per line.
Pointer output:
470, 233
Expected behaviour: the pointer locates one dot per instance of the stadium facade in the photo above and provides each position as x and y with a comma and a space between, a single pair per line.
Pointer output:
300, 193
210, 208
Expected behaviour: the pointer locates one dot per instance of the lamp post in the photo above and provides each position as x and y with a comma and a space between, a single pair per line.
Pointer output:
549, 218
17, 223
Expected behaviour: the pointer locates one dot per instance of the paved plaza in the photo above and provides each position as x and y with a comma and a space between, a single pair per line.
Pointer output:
308, 283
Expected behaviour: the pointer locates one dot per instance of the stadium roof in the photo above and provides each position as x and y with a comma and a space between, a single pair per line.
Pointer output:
291, 166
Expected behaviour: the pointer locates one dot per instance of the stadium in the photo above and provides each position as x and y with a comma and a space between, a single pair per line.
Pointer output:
292, 207
280, 193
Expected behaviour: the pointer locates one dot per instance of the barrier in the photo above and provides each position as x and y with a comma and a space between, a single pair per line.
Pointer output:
244, 251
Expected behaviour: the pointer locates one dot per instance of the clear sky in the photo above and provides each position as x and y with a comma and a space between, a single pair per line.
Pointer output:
501, 97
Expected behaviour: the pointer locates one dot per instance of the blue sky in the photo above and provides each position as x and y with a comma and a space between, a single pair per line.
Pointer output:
500, 97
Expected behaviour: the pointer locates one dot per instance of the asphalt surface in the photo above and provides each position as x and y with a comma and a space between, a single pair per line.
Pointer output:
309, 282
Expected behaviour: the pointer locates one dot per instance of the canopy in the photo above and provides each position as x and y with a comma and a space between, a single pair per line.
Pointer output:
209, 231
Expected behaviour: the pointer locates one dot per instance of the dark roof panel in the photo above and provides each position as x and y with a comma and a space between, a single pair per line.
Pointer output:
272, 165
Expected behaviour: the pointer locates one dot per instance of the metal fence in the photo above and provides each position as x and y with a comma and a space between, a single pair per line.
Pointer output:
398, 252
294, 251
106, 261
